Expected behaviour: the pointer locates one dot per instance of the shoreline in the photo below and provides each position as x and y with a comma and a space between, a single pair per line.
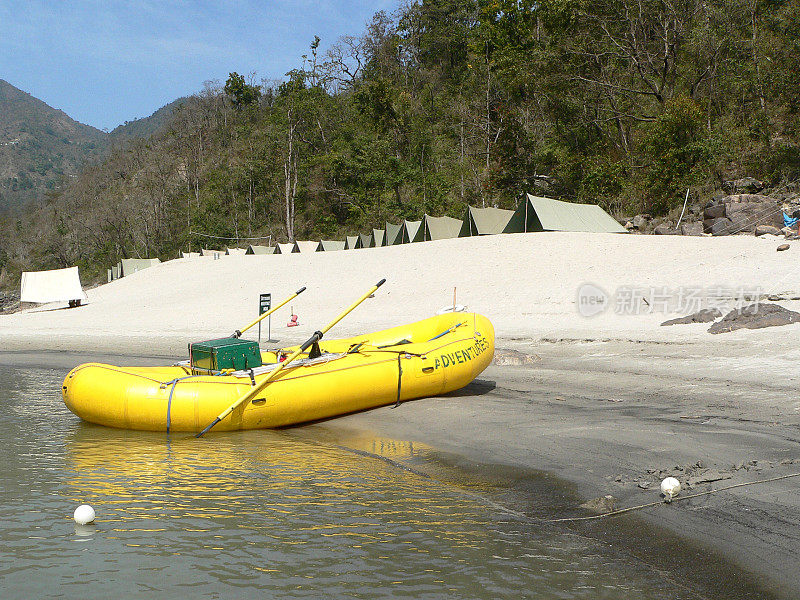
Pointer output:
558, 417
596, 416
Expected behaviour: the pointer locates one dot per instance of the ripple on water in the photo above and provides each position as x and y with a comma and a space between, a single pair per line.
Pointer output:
239, 513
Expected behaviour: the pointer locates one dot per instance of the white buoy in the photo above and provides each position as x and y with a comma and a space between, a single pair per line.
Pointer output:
84, 514
670, 487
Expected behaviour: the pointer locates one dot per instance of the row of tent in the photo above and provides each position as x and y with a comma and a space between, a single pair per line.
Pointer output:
533, 214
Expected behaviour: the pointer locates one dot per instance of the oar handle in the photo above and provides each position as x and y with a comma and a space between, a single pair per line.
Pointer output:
238, 333
252, 392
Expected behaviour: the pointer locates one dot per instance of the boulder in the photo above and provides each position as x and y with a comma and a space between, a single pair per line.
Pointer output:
714, 211
748, 185
515, 358
767, 230
666, 229
723, 226
782, 247
748, 210
707, 315
790, 233
695, 228
640, 222
601, 505
755, 316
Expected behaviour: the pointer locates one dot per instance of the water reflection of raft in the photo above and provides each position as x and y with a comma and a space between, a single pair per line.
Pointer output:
427, 358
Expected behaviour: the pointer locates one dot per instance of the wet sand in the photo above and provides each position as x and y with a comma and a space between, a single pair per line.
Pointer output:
607, 417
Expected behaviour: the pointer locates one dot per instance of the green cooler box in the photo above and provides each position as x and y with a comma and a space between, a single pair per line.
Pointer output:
225, 353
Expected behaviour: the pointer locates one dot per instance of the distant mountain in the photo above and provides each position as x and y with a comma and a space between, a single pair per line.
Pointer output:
39, 144
146, 126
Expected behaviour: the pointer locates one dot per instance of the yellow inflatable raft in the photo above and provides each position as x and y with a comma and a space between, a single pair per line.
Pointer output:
427, 358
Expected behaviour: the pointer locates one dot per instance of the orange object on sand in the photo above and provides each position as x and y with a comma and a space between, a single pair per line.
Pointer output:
293, 322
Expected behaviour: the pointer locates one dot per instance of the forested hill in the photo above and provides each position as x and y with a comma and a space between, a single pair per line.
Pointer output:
39, 145
146, 126
446, 103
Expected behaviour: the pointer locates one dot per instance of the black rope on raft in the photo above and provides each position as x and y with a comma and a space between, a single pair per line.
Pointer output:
399, 378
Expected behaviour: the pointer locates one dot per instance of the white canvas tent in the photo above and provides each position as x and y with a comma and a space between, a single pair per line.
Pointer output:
59, 285
189, 254
210, 252
304, 246
230, 251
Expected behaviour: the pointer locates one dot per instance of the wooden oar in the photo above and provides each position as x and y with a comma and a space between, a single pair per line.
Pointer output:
238, 333
253, 392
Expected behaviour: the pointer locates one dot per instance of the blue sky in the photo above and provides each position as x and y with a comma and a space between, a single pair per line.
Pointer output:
106, 62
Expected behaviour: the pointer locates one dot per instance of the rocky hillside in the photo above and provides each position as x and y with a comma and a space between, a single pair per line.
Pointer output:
38, 146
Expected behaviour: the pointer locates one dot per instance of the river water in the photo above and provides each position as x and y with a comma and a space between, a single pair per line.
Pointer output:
265, 514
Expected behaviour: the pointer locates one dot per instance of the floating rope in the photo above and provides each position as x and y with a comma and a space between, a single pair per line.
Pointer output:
674, 499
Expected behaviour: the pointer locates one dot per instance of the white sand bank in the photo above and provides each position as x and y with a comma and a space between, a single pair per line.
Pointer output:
527, 284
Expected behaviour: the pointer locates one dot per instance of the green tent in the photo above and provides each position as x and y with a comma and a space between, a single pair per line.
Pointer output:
260, 250
330, 245
393, 232
378, 238
545, 214
438, 228
352, 242
284, 248
408, 231
485, 221
365, 239
129, 266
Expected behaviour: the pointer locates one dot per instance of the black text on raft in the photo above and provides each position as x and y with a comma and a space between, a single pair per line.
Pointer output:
461, 356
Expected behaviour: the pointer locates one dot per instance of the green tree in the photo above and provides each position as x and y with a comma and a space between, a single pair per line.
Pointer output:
240, 92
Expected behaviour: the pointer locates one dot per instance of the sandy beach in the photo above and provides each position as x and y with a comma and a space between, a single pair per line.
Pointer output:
608, 403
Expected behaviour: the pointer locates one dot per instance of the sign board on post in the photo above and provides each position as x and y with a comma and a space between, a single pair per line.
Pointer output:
264, 304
